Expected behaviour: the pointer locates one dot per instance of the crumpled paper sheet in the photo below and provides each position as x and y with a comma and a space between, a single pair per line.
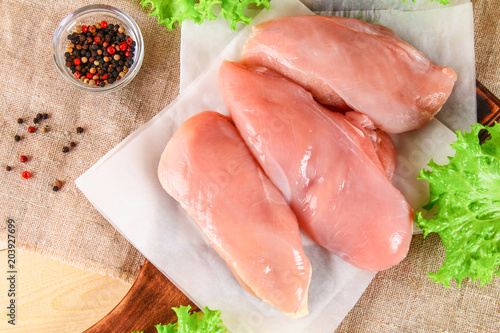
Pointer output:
123, 186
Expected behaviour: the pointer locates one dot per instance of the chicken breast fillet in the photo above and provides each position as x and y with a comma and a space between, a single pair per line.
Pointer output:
326, 167
353, 65
209, 170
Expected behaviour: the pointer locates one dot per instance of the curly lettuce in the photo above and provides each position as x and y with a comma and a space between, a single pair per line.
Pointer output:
170, 12
443, 2
466, 192
208, 321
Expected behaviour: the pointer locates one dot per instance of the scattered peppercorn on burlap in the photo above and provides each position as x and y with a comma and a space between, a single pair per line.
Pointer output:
65, 226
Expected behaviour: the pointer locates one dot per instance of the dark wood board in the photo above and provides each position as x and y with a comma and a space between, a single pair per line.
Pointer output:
149, 302
152, 296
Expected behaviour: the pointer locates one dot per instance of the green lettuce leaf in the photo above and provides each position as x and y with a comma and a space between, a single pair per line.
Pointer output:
443, 2
208, 321
466, 192
233, 11
170, 12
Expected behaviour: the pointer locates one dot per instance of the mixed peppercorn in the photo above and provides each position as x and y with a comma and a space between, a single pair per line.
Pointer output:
99, 54
31, 129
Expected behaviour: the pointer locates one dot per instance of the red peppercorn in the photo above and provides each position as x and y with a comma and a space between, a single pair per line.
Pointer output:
26, 175
85, 28
31, 129
77, 75
129, 40
111, 50
123, 46
105, 77
77, 61
104, 24
97, 39
89, 75
23, 158
127, 54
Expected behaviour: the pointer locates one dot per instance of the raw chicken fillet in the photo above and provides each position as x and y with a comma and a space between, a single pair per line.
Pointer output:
353, 65
336, 179
209, 170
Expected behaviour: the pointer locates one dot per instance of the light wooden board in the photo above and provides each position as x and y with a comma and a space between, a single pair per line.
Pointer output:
56, 297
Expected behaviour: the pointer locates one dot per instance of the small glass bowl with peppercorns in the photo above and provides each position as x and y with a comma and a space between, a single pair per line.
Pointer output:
98, 48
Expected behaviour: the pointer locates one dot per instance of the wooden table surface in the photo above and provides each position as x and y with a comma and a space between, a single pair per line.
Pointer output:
55, 297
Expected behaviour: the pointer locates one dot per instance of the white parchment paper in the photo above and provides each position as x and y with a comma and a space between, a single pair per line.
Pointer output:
123, 186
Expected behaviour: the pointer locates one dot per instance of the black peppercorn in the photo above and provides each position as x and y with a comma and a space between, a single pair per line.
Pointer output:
55, 188
72, 144
65, 149
45, 115
17, 138
35, 120
20, 120
8, 168
79, 130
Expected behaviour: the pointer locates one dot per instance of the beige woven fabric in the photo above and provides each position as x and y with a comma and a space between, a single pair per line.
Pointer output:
64, 225
487, 43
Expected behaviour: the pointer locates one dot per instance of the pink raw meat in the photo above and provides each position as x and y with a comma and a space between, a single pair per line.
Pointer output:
325, 166
353, 65
209, 170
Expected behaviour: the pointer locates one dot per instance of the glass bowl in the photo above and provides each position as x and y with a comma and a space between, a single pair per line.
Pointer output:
90, 15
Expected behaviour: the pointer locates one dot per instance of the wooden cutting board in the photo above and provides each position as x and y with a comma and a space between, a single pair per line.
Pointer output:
151, 298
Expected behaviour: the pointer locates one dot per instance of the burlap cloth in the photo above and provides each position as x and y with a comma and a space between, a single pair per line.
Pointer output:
65, 226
